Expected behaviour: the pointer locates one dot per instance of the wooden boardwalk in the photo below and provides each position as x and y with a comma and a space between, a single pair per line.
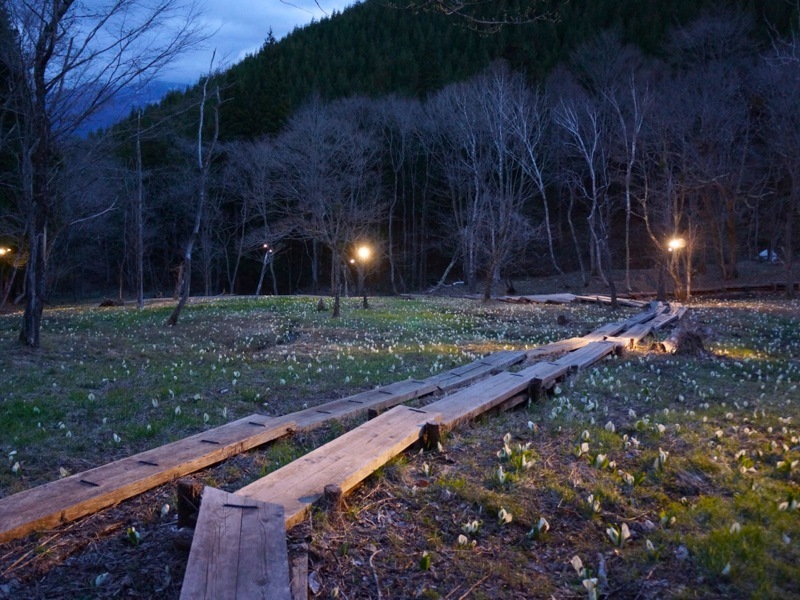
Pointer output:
343, 462
85, 493
569, 298
238, 551
349, 459
234, 525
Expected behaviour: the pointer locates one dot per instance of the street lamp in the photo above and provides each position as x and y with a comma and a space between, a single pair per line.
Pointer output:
363, 254
676, 243
4, 251
268, 251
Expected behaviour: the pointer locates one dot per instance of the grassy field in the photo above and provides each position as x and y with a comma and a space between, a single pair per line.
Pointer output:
666, 476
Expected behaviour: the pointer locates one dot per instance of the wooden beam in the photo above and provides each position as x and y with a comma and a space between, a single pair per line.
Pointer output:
238, 551
345, 462
587, 356
85, 493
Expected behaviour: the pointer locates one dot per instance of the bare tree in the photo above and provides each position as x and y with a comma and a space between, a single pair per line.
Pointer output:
713, 61
329, 183
586, 134
252, 179
204, 157
530, 119
397, 119
479, 150
630, 114
781, 87
70, 58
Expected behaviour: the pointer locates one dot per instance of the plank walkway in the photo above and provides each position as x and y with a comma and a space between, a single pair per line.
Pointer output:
85, 493
343, 462
349, 459
569, 298
490, 393
607, 331
238, 551
67, 499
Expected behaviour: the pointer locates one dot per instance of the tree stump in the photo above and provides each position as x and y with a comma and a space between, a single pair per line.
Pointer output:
333, 498
689, 343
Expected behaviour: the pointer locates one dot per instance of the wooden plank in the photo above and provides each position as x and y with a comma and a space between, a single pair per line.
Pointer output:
540, 299
238, 551
387, 396
588, 355
85, 493
344, 462
567, 345
622, 301
674, 313
299, 577
479, 398
634, 335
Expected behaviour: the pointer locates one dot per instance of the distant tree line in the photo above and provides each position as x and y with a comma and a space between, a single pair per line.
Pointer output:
592, 166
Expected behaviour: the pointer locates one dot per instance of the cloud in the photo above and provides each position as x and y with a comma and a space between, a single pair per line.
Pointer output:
240, 27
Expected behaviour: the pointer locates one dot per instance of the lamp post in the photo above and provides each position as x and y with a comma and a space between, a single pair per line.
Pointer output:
674, 245
268, 251
363, 254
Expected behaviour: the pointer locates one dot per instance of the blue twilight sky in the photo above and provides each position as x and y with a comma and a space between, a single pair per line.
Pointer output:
241, 27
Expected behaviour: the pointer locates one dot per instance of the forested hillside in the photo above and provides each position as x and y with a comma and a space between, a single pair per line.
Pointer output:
580, 143
374, 50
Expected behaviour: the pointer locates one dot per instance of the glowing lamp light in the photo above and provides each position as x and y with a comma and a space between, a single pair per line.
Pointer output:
364, 252
4, 251
676, 244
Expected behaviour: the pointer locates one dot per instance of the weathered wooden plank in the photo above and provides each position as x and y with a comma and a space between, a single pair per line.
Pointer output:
479, 398
567, 345
238, 551
539, 299
84, 493
387, 396
675, 313
637, 333
607, 300
345, 462
588, 355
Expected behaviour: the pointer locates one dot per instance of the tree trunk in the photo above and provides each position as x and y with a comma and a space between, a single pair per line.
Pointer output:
788, 241
314, 267
139, 215
204, 163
